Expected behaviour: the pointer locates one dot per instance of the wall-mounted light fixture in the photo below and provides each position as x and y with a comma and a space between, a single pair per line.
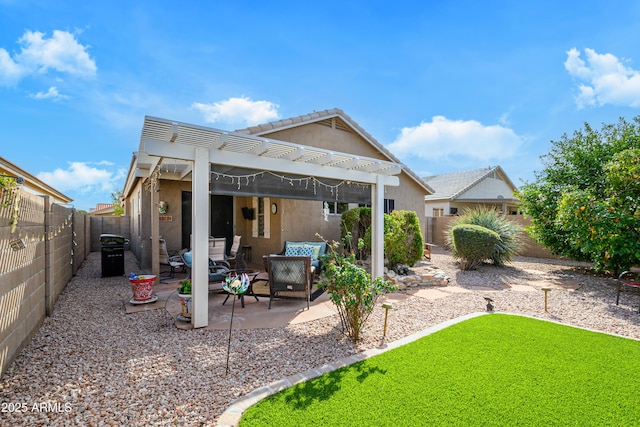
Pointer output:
18, 244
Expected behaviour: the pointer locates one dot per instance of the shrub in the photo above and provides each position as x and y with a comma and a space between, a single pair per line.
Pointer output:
510, 233
351, 289
403, 241
356, 226
472, 244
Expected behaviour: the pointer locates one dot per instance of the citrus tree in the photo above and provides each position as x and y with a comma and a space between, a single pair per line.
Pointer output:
585, 202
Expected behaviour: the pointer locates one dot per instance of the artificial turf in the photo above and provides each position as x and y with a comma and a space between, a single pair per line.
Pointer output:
490, 370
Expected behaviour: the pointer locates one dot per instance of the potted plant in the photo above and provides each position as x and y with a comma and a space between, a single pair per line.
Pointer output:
184, 292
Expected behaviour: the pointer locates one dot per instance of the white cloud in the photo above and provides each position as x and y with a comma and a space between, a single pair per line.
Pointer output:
62, 53
10, 72
83, 178
52, 94
443, 139
604, 79
239, 111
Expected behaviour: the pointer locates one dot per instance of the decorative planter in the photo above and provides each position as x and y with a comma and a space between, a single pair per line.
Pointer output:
185, 300
142, 289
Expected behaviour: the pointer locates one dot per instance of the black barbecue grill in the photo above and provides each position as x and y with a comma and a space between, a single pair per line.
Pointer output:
112, 247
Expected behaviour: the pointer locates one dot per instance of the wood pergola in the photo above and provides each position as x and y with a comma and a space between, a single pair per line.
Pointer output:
198, 149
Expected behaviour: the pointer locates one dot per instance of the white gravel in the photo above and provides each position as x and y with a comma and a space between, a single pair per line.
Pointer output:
92, 364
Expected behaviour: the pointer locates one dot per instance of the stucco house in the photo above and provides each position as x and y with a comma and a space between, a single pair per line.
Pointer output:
456, 191
282, 206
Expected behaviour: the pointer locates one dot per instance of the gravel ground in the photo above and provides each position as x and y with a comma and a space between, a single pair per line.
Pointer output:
92, 364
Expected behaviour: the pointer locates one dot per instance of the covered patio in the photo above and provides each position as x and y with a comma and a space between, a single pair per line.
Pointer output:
221, 162
254, 315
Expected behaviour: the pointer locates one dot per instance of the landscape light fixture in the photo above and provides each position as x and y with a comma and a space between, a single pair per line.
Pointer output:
489, 305
386, 306
546, 291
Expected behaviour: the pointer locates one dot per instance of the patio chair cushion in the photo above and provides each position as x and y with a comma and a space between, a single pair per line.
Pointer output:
301, 249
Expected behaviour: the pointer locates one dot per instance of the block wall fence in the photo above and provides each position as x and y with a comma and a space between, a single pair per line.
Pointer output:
57, 239
437, 226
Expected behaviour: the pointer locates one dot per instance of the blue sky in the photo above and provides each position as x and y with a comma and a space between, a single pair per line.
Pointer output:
445, 85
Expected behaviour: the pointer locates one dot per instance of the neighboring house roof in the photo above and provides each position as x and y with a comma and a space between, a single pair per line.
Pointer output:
102, 209
450, 186
31, 183
347, 121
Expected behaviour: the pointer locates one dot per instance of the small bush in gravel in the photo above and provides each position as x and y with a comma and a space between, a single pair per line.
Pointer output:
351, 289
510, 243
472, 244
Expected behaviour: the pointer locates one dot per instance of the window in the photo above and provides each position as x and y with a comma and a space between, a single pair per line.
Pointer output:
438, 212
389, 205
261, 227
337, 207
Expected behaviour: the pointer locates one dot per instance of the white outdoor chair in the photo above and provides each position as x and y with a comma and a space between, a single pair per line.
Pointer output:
172, 261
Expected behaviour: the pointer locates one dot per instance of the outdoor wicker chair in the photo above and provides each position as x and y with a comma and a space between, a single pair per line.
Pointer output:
289, 277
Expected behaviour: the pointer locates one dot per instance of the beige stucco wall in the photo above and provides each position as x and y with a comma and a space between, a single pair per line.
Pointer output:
488, 188
409, 195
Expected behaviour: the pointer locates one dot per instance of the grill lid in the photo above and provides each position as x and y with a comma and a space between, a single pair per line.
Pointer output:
112, 239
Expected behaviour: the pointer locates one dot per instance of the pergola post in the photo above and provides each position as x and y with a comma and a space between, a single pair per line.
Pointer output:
155, 229
200, 238
377, 228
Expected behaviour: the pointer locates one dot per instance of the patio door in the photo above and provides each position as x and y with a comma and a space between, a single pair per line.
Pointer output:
221, 218
221, 208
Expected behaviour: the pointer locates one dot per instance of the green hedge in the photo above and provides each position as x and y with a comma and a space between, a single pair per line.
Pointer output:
473, 244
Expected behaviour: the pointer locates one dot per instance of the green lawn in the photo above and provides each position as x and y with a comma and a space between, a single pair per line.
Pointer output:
491, 370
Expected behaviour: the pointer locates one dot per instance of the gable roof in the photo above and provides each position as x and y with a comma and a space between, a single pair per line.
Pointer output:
343, 122
31, 183
452, 185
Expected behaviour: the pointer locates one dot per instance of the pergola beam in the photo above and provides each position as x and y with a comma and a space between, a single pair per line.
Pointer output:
160, 148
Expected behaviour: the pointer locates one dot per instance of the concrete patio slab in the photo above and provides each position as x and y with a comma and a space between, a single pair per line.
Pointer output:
431, 294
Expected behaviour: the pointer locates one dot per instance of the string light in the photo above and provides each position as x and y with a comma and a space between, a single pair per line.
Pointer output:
315, 182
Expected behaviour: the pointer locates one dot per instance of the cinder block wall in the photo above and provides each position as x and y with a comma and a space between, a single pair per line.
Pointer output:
32, 278
119, 225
